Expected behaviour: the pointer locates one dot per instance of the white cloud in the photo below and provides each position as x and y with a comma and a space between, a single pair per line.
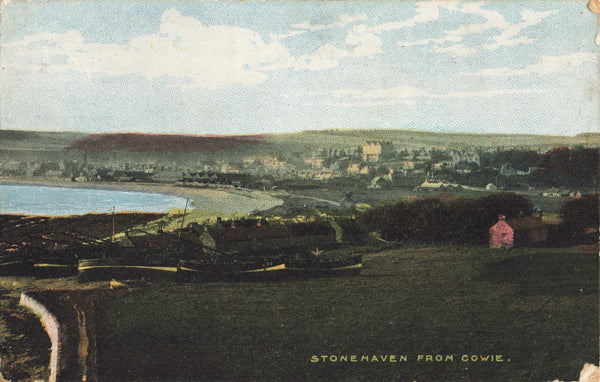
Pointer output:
486, 93
457, 49
426, 12
324, 57
364, 39
279, 37
328, 56
507, 37
362, 43
344, 20
397, 92
360, 104
548, 65
187, 52
408, 94
183, 49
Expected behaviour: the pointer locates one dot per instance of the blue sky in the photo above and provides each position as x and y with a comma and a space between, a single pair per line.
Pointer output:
229, 67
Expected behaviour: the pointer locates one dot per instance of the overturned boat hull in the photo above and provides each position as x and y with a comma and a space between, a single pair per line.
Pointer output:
316, 267
297, 271
103, 270
199, 271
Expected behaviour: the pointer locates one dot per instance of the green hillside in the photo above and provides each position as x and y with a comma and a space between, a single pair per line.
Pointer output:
346, 138
318, 139
37, 140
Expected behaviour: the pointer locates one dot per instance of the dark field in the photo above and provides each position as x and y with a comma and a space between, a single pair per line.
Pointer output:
21, 233
536, 308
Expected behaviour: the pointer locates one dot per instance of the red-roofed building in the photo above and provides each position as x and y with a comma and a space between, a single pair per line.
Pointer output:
521, 231
501, 234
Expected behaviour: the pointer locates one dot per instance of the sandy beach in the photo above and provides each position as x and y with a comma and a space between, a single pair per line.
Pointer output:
212, 198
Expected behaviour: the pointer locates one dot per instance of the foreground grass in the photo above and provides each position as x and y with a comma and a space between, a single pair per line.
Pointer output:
536, 308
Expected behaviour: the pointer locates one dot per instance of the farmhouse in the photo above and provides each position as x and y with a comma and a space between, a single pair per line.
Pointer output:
521, 231
501, 234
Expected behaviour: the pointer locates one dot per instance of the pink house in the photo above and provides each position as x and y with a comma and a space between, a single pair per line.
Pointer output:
501, 234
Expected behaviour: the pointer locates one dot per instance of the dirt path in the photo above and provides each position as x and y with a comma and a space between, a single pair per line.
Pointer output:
82, 346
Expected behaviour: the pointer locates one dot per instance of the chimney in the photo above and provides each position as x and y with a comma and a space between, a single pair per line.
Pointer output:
218, 220
501, 218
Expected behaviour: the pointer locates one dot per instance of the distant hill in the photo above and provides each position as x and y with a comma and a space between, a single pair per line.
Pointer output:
418, 138
37, 140
304, 141
137, 142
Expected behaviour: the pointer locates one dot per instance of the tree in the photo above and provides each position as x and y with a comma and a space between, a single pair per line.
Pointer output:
445, 220
577, 215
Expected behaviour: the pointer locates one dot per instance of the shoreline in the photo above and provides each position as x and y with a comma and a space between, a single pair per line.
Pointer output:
198, 195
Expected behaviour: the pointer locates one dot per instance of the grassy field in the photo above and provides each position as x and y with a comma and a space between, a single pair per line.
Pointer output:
538, 308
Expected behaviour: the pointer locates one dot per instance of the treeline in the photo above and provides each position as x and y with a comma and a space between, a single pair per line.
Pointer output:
454, 220
517, 159
577, 163
559, 167
447, 220
580, 219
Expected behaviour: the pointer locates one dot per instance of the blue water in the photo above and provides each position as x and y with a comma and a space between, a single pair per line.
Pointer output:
42, 200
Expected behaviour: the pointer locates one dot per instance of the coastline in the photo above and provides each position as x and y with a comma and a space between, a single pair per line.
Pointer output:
230, 199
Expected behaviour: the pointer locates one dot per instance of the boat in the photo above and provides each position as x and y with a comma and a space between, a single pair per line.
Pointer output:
15, 266
316, 266
230, 269
54, 270
54, 264
123, 269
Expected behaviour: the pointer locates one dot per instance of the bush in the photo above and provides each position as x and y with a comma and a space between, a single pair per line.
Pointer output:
578, 215
445, 220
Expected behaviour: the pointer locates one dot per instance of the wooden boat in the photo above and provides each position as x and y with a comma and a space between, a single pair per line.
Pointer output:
54, 264
317, 267
230, 270
46, 265
54, 270
123, 269
16, 267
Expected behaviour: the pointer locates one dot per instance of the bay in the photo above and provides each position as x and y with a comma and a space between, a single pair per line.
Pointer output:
49, 200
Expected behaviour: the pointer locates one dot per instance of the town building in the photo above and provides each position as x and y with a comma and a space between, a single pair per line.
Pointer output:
375, 151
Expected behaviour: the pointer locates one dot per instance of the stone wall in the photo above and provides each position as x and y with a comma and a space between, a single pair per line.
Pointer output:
52, 328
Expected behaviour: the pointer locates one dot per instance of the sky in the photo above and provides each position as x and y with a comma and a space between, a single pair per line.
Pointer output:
231, 67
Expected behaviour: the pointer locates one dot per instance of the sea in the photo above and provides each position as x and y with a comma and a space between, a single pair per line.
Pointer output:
49, 200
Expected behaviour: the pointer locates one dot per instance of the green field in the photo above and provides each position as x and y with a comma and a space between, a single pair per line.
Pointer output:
538, 308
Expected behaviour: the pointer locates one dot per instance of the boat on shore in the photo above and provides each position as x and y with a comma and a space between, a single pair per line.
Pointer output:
54, 264
267, 269
123, 269
316, 267
230, 270
15, 266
